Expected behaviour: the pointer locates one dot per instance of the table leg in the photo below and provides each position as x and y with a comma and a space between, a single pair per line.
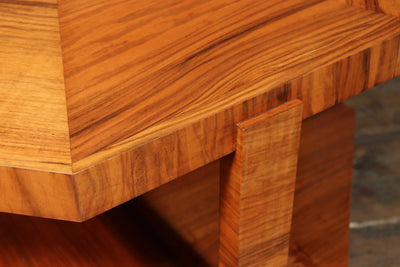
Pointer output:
321, 211
257, 188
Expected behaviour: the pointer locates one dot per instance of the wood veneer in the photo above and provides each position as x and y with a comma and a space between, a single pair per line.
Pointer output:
257, 189
321, 211
217, 63
34, 129
203, 57
140, 233
391, 7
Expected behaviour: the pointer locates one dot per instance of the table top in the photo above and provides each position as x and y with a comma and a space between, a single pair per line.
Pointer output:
83, 85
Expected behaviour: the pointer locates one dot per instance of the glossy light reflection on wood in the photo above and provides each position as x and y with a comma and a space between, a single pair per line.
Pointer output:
319, 234
209, 65
33, 116
146, 167
257, 188
390, 7
29, 192
203, 56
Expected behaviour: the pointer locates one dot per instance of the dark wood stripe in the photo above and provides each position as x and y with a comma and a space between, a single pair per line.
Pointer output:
28, 3
252, 29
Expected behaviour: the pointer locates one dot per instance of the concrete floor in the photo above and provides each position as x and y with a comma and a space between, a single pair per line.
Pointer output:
375, 218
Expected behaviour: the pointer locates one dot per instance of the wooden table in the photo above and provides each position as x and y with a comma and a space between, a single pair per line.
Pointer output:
104, 101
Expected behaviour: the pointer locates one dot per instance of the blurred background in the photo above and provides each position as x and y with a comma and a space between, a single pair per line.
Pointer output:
375, 214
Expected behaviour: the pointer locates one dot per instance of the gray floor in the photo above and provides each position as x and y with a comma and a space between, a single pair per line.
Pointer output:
375, 218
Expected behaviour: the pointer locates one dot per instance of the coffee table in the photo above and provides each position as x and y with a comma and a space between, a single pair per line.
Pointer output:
102, 102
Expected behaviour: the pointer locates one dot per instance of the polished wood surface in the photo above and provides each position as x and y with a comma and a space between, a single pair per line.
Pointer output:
152, 93
321, 213
133, 173
319, 233
95, 110
29, 192
257, 189
101, 102
391, 7
142, 169
333, 84
203, 56
33, 115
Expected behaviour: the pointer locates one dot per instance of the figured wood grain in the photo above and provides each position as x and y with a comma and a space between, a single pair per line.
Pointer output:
391, 7
325, 87
148, 166
190, 206
33, 115
30, 192
321, 213
132, 174
201, 56
319, 231
257, 188
235, 60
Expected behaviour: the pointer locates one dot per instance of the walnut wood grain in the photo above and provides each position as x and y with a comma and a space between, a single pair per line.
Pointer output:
203, 56
319, 231
33, 115
333, 84
29, 192
146, 167
391, 7
127, 236
329, 85
124, 142
257, 188
321, 213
